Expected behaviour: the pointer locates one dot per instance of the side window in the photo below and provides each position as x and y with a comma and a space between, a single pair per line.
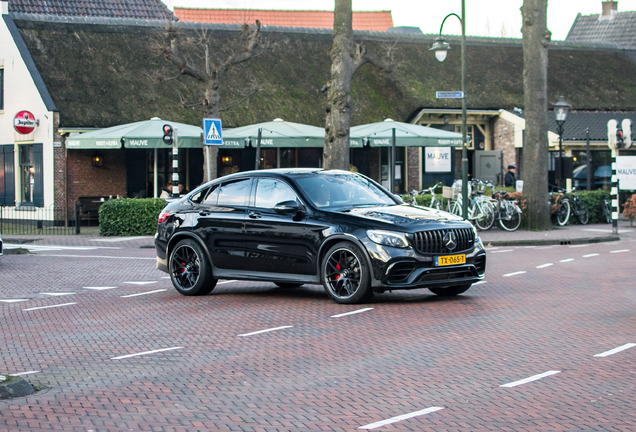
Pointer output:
270, 192
235, 193
207, 196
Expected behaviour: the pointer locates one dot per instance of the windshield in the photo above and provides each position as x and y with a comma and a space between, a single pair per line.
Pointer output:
342, 190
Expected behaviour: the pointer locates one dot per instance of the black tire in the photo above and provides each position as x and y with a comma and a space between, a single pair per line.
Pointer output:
512, 219
190, 271
563, 213
450, 291
607, 212
583, 214
288, 284
345, 274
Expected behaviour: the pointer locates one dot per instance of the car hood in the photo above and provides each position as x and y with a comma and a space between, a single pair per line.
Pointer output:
403, 214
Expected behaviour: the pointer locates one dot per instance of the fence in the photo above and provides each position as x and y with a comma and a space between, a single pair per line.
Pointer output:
35, 221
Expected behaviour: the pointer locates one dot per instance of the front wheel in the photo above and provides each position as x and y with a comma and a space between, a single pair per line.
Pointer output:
345, 274
485, 215
450, 291
511, 220
563, 213
190, 271
583, 214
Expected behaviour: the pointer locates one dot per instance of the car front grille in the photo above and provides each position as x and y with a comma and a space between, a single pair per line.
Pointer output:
433, 241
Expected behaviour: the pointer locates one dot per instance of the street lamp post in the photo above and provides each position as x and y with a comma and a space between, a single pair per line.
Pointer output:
441, 47
561, 109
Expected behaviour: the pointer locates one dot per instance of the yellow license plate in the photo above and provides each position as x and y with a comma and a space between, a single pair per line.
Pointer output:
450, 260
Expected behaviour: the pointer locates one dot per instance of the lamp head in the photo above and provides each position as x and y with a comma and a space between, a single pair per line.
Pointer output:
441, 48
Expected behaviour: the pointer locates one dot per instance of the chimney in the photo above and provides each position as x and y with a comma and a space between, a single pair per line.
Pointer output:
610, 8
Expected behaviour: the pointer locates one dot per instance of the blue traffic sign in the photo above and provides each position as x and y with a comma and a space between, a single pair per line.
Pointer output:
212, 131
449, 94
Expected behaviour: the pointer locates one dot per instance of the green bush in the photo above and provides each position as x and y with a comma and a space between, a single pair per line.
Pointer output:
593, 201
130, 216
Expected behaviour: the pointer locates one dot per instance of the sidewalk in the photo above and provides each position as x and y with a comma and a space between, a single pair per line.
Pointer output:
570, 234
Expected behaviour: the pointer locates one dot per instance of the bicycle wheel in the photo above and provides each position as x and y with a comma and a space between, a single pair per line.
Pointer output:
511, 219
583, 214
485, 213
607, 212
456, 208
563, 213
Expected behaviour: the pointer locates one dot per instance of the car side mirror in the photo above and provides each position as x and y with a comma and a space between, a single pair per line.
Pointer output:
286, 207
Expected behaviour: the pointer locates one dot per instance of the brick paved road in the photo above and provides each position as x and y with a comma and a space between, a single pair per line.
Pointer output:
114, 348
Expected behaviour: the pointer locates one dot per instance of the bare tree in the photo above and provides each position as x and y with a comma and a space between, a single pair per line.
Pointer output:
346, 58
536, 39
211, 74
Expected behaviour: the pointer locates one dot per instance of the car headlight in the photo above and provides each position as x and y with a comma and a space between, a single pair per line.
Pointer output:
388, 238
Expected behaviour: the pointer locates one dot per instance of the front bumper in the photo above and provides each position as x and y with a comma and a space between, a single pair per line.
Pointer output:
398, 269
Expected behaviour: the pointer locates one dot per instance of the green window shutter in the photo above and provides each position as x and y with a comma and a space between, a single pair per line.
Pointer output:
38, 187
7, 176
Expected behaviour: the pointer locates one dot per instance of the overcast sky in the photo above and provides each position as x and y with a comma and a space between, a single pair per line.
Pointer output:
496, 18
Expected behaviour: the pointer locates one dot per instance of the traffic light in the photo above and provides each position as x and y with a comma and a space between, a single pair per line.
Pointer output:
168, 137
619, 138
627, 132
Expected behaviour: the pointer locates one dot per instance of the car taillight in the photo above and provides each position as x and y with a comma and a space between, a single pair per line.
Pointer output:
163, 216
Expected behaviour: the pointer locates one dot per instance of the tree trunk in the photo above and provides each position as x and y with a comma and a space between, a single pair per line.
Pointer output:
536, 39
336, 151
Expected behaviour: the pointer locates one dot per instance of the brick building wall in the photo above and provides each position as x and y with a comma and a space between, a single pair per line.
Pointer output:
86, 180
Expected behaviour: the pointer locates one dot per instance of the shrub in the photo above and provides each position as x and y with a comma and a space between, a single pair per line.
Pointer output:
629, 209
130, 216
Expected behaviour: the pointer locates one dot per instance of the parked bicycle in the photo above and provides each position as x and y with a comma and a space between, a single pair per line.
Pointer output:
507, 211
579, 208
606, 209
481, 211
560, 207
435, 203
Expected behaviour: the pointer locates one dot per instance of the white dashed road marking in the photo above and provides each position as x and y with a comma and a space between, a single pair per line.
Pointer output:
616, 350
49, 307
351, 313
401, 418
265, 331
143, 293
145, 353
514, 273
530, 379
544, 265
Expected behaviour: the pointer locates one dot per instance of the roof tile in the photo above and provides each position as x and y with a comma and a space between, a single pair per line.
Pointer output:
140, 9
363, 20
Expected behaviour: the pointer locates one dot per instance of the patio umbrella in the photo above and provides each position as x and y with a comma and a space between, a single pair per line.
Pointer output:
147, 134
390, 133
276, 133
381, 134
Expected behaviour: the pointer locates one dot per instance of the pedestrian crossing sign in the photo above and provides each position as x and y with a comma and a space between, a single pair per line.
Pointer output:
212, 131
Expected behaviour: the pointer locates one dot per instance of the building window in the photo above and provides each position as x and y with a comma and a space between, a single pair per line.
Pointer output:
31, 187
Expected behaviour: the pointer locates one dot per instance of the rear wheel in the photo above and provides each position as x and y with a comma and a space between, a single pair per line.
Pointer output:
190, 271
345, 274
450, 291
511, 219
563, 213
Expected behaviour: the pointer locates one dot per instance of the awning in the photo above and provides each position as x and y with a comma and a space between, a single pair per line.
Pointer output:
380, 134
147, 134
276, 133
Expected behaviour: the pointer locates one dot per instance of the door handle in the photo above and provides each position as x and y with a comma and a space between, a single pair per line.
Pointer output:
204, 213
255, 215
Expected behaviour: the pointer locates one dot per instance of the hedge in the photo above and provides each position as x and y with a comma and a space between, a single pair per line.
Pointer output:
130, 216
